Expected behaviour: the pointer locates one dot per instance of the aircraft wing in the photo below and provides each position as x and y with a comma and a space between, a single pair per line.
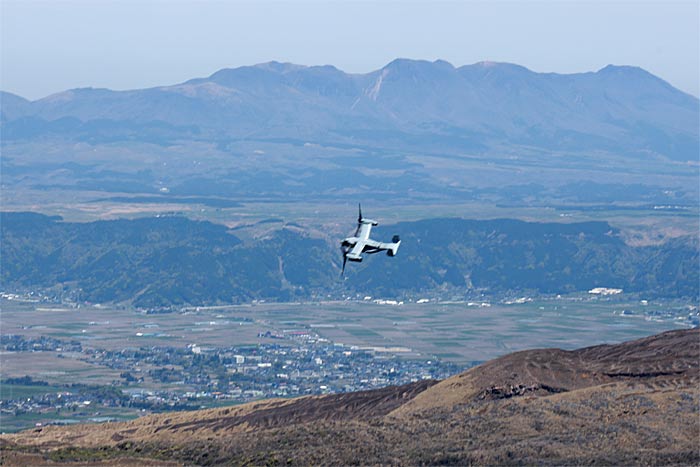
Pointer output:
364, 231
357, 249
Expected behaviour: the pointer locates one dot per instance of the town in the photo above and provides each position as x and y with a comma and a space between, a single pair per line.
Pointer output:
154, 379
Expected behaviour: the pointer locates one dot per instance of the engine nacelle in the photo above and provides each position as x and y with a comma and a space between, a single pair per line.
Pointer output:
395, 247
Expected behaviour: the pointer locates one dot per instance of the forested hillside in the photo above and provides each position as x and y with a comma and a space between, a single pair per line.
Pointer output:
165, 261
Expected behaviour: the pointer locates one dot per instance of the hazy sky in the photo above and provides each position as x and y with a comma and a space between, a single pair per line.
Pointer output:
50, 46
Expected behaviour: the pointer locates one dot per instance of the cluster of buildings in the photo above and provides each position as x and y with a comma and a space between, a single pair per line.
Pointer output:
161, 378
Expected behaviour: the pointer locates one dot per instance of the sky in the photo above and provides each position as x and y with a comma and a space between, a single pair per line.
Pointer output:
51, 46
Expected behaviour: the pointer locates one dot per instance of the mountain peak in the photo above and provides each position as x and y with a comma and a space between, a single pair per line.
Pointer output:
628, 71
502, 65
412, 64
628, 77
498, 67
12, 106
252, 77
622, 69
279, 67
4, 95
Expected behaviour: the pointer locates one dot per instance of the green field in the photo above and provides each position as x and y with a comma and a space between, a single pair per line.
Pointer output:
13, 423
20, 391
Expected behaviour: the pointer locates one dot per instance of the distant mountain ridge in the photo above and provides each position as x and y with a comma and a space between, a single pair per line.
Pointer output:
407, 103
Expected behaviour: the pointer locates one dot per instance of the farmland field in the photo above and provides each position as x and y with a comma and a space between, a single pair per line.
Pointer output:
459, 332
425, 335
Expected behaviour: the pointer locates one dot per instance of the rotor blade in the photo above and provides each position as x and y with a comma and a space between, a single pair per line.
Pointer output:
345, 258
359, 208
344, 250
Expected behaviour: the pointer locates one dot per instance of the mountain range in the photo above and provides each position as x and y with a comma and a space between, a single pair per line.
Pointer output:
408, 105
634, 403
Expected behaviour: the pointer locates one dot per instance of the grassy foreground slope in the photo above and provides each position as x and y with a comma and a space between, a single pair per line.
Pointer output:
630, 403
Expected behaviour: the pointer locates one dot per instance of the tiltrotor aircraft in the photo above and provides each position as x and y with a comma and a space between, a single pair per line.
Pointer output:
354, 246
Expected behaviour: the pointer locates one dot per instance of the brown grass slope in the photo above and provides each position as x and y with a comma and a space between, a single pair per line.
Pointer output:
631, 403
663, 360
